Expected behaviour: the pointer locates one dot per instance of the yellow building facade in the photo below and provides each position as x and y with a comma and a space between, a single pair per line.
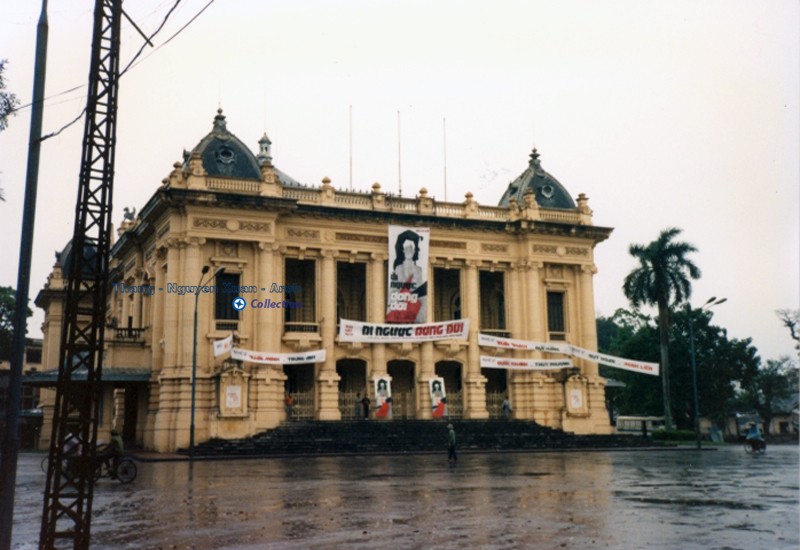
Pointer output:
522, 270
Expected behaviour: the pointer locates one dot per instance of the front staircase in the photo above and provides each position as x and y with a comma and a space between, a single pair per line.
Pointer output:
407, 436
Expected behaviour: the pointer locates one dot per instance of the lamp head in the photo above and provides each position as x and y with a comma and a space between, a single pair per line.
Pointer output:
205, 269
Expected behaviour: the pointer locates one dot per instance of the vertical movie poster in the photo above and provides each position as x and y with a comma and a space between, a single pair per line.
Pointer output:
408, 274
383, 398
438, 397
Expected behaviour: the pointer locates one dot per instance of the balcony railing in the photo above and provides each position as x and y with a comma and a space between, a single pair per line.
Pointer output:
300, 327
499, 333
127, 335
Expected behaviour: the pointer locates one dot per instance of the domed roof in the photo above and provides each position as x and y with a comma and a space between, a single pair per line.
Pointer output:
548, 191
224, 155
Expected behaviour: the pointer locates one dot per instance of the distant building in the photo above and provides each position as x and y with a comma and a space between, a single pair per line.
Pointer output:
30, 415
523, 269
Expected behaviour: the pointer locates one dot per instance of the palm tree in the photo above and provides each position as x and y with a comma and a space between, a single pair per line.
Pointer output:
662, 279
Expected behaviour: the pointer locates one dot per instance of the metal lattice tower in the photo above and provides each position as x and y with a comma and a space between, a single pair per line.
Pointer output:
68, 493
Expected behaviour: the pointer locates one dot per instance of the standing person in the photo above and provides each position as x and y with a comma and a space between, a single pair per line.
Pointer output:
357, 408
451, 445
365, 406
289, 402
506, 406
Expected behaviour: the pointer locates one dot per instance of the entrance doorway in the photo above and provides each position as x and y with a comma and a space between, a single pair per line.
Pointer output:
352, 386
404, 403
496, 390
451, 372
300, 384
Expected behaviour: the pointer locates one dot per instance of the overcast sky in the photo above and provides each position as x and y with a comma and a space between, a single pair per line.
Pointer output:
665, 114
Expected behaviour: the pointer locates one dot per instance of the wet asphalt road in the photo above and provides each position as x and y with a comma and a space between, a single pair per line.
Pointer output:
631, 499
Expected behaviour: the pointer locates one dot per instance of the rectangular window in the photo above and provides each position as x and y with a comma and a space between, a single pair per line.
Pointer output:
447, 294
493, 302
227, 283
556, 321
300, 279
351, 291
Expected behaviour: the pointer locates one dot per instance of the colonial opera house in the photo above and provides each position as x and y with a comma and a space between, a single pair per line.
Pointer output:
320, 295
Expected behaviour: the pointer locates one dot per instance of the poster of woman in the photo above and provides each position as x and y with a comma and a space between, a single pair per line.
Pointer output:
408, 274
438, 397
383, 398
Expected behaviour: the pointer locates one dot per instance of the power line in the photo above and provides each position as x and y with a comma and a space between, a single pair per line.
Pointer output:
130, 64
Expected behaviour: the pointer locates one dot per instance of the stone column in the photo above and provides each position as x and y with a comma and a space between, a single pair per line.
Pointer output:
475, 382
536, 309
377, 311
588, 321
191, 276
328, 379
171, 306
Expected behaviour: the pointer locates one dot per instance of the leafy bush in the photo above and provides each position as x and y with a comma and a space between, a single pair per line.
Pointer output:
674, 435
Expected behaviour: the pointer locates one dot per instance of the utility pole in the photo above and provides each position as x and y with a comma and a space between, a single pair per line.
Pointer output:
68, 492
10, 449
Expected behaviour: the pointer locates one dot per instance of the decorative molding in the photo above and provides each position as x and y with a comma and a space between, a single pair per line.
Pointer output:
448, 244
491, 247
210, 223
361, 238
577, 251
544, 249
256, 226
302, 233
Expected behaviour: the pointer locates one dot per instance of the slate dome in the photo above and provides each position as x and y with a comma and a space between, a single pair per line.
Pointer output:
224, 155
549, 192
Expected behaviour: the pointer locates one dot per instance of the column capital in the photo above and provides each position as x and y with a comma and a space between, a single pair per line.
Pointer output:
589, 268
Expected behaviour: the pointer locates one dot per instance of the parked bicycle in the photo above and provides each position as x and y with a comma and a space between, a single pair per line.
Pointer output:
124, 470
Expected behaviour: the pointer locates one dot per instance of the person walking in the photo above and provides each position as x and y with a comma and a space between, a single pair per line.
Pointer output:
451, 445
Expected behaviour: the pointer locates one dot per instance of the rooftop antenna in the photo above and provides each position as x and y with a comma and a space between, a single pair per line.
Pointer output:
351, 146
444, 148
399, 173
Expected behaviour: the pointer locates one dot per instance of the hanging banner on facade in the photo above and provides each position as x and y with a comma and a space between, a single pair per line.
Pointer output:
317, 356
510, 343
616, 362
438, 397
223, 346
489, 362
568, 349
383, 398
408, 274
356, 331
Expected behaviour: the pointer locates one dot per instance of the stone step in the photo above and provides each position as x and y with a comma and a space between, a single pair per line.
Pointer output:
370, 436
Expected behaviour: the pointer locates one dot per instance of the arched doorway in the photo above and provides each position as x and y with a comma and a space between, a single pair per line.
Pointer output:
352, 386
451, 372
300, 384
404, 403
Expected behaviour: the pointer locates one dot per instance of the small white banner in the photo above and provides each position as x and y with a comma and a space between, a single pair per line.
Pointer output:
568, 349
356, 331
223, 346
264, 358
489, 362
616, 362
510, 343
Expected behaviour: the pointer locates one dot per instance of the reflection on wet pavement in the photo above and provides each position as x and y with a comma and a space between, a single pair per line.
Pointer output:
637, 499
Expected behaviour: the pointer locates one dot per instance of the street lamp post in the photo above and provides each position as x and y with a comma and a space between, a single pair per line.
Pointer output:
711, 302
194, 354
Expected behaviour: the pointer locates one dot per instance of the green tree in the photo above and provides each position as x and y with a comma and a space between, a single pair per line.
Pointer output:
662, 279
771, 387
8, 105
7, 301
8, 101
723, 365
